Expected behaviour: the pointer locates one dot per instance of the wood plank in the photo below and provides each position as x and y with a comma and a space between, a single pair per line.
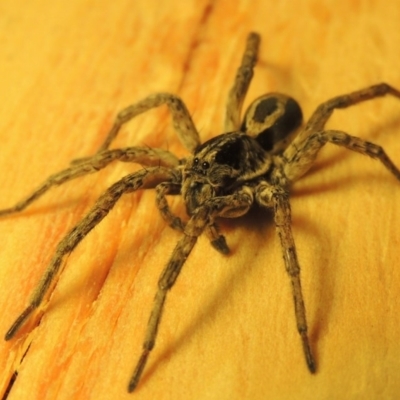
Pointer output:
229, 329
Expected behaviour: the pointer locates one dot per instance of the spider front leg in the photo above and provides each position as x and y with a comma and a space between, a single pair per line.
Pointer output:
90, 165
101, 208
182, 120
162, 190
228, 206
276, 197
217, 241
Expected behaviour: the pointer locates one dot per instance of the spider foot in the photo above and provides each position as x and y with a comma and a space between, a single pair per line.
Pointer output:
308, 354
19, 322
138, 371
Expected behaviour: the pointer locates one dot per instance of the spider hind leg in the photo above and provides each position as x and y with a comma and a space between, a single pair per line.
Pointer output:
304, 157
301, 153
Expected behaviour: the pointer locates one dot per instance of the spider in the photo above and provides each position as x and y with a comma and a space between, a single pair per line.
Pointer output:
254, 162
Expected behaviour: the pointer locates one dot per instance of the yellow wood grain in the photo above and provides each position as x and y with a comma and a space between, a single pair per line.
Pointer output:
228, 331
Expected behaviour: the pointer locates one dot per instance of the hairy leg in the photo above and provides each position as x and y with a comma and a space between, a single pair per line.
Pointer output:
217, 241
325, 110
182, 120
301, 160
316, 124
235, 204
243, 78
141, 155
276, 197
101, 208
162, 190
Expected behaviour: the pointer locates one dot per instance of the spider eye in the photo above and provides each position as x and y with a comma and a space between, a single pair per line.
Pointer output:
205, 165
196, 161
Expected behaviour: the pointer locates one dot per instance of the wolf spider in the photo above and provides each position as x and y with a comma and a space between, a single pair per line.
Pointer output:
255, 161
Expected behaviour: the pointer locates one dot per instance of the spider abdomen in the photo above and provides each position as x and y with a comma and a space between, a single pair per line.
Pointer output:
272, 120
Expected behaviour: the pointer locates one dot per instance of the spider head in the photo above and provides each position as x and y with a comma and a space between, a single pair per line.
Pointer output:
221, 164
272, 120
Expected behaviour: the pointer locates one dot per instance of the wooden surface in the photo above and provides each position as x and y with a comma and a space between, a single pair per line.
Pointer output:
228, 331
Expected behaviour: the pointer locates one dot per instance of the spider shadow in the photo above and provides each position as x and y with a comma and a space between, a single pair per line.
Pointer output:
223, 293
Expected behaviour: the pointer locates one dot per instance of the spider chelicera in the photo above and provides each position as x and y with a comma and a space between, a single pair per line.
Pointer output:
255, 161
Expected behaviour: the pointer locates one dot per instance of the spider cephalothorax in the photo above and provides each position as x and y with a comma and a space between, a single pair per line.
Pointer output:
220, 165
255, 161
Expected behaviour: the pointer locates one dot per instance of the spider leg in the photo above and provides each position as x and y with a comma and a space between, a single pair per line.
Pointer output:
325, 110
141, 155
321, 115
243, 78
232, 205
130, 183
162, 190
239, 205
302, 159
182, 120
144, 155
217, 241
278, 198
